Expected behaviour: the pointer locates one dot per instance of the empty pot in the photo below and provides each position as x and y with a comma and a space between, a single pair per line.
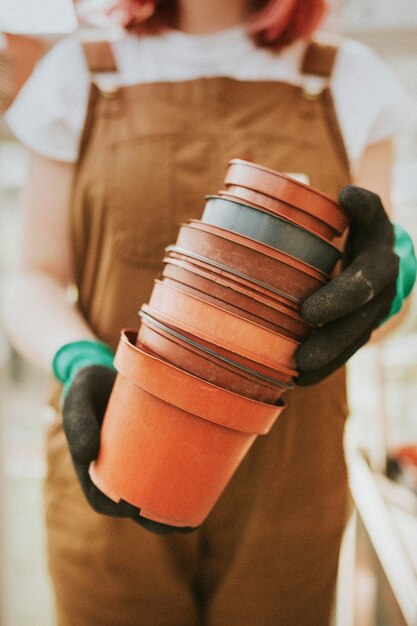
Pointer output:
272, 372
222, 327
267, 312
272, 183
231, 278
273, 231
208, 365
171, 448
275, 270
277, 207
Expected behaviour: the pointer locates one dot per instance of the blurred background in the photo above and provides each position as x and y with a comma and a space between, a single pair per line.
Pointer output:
378, 571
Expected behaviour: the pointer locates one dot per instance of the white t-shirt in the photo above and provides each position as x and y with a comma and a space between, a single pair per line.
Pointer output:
48, 115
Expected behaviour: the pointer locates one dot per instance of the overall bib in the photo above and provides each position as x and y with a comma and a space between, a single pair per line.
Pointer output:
268, 553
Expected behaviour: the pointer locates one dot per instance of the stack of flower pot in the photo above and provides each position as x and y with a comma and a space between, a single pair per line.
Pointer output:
216, 346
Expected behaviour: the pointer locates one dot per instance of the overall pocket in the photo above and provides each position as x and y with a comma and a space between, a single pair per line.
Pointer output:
139, 191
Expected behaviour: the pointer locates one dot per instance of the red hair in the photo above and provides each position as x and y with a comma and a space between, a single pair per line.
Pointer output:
274, 24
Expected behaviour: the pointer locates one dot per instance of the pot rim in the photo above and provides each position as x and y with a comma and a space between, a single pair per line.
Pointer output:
223, 344
243, 203
330, 232
215, 309
296, 182
224, 270
202, 365
238, 356
283, 187
274, 231
237, 309
148, 320
231, 270
139, 365
256, 246
263, 299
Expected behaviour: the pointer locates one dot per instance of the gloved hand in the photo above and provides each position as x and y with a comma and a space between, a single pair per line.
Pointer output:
353, 304
83, 411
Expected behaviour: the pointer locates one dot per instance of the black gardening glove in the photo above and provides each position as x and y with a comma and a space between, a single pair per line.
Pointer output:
352, 305
83, 411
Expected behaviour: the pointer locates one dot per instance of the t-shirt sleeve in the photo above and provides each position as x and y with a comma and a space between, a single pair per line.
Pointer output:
49, 112
371, 102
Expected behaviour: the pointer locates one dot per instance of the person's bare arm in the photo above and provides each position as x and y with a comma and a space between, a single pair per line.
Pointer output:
375, 173
38, 314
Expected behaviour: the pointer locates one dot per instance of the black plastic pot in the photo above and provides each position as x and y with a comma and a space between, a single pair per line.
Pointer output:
271, 230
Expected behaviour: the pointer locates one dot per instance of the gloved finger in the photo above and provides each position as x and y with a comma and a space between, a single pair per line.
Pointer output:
358, 284
83, 411
94, 382
162, 529
82, 430
325, 344
365, 210
153, 527
305, 379
98, 500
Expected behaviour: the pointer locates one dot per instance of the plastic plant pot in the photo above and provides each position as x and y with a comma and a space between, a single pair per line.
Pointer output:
279, 325
289, 190
273, 231
235, 294
275, 270
272, 372
170, 442
223, 279
257, 246
207, 297
233, 279
191, 358
280, 208
222, 327
281, 377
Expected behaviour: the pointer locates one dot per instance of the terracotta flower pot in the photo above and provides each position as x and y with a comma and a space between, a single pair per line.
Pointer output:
207, 297
233, 282
233, 278
194, 359
274, 270
280, 208
274, 373
222, 327
270, 314
170, 442
248, 368
289, 190
273, 231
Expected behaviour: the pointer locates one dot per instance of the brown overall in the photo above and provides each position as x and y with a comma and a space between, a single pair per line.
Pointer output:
267, 555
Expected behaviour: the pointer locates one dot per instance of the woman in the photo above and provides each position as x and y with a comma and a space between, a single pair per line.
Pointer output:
112, 175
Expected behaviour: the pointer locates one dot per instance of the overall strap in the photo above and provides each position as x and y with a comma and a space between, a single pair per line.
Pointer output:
316, 70
102, 65
99, 56
319, 58
105, 85
317, 65
6, 80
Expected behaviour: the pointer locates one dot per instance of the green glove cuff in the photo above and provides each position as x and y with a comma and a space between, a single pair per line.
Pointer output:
73, 356
404, 249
